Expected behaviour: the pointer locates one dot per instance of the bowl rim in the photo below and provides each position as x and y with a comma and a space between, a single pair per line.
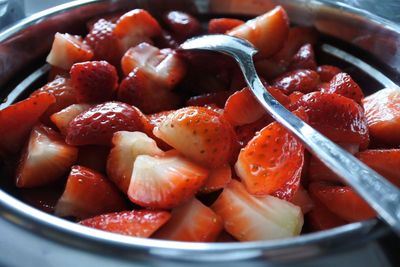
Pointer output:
29, 218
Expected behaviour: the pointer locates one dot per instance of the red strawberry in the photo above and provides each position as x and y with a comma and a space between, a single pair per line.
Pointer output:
164, 181
135, 27
269, 69
126, 147
201, 134
45, 159
62, 118
105, 44
217, 98
182, 24
246, 132
304, 59
141, 90
222, 25
55, 72
94, 81
97, 125
338, 117
138, 223
88, 194
267, 32
250, 218
342, 201
152, 121
301, 80
68, 49
344, 85
295, 96
382, 110
217, 179
302, 200
193, 222
271, 163
17, 120
327, 72
93, 157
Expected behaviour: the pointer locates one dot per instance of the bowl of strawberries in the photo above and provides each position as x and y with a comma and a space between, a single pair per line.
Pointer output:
114, 140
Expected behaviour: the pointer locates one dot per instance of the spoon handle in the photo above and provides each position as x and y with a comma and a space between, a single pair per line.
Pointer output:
381, 195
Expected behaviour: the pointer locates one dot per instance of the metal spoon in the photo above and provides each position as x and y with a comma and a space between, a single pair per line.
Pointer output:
381, 195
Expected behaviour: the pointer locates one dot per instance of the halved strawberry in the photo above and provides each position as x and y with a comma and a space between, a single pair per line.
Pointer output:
93, 157
302, 199
222, 25
138, 223
303, 59
126, 147
250, 218
217, 98
342, 201
339, 118
271, 163
246, 132
217, 179
182, 24
327, 72
135, 27
94, 81
45, 159
164, 181
193, 222
62, 118
302, 80
17, 120
97, 125
68, 49
88, 194
382, 110
344, 85
269, 68
266, 32
201, 134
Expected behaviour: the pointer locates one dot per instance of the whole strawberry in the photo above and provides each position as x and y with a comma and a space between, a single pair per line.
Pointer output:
94, 81
98, 124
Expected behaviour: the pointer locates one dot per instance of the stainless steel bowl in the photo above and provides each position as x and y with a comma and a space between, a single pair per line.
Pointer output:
22, 51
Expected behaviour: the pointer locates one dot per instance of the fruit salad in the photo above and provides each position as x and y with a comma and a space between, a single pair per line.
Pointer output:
132, 136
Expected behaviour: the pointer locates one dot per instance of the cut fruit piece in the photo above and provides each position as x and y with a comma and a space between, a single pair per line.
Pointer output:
304, 59
217, 179
344, 85
137, 223
45, 159
62, 118
302, 80
164, 181
267, 32
88, 194
250, 218
126, 147
222, 25
303, 200
193, 222
382, 110
17, 120
201, 134
218, 99
68, 49
342, 201
182, 24
327, 72
246, 132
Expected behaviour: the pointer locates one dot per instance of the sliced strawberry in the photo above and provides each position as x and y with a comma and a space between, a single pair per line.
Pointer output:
152, 121
246, 132
93, 157
295, 96
338, 117
164, 181
382, 110
250, 218
135, 27
62, 118
304, 59
45, 159
182, 24
269, 68
94, 81
266, 32
217, 98
138, 223
271, 163
68, 49
105, 44
126, 147
201, 134
217, 179
302, 200
17, 120
140, 89
342, 201
193, 222
302, 80
222, 25
327, 72
344, 85
97, 125
88, 194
